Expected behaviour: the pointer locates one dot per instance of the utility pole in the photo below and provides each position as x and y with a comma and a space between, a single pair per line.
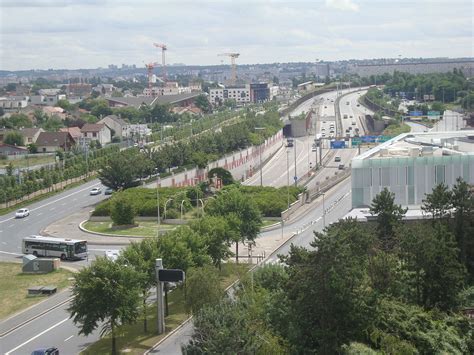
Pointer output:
159, 298
296, 176
288, 176
158, 201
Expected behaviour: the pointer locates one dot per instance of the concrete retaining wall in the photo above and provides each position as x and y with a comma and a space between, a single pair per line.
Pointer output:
241, 164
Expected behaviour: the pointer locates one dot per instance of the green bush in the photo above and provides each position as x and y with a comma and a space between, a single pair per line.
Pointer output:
123, 212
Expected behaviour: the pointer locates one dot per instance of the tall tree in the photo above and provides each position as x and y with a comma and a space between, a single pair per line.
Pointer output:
434, 274
463, 204
14, 138
438, 203
142, 257
328, 289
217, 235
122, 170
203, 289
388, 215
105, 293
240, 211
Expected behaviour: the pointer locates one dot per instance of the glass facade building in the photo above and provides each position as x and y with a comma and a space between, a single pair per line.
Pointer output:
409, 178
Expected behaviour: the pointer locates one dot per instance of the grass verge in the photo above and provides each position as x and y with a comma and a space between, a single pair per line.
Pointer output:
14, 287
395, 129
144, 229
133, 340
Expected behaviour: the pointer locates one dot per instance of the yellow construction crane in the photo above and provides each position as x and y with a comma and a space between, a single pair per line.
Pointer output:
232, 61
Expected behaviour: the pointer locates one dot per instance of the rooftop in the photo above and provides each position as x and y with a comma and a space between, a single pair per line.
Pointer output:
423, 144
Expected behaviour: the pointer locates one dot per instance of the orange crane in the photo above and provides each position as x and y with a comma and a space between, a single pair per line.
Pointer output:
164, 48
149, 68
232, 61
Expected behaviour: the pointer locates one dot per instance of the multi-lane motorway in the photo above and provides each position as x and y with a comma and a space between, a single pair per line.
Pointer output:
54, 327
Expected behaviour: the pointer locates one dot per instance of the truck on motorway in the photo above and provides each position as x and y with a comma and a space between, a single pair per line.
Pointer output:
345, 116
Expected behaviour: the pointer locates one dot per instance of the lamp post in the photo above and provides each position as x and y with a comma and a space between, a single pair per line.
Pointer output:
296, 176
170, 199
158, 200
324, 211
288, 176
260, 151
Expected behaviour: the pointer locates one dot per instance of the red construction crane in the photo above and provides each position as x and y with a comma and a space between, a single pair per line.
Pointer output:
232, 61
164, 48
149, 68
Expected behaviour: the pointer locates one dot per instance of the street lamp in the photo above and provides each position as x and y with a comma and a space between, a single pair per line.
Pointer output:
158, 200
288, 176
260, 151
170, 199
324, 211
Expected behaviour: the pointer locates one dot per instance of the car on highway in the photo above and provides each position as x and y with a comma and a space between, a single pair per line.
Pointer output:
358, 105
22, 212
337, 158
354, 123
313, 149
95, 191
108, 191
341, 167
46, 351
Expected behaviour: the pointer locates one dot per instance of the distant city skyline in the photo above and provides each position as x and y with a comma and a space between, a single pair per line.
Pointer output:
67, 34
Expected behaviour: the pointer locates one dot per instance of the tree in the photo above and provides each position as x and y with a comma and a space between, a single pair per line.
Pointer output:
217, 235
121, 170
104, 293
2, 111
203, 289
330, 300
222, 174
101, 108
203, 103
14, 138
438, 203
388, 216
434, 274
463, 204
122, 212
32, 148
241, 213
142, 257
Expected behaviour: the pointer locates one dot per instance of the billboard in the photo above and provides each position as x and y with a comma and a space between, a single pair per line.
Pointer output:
416, 113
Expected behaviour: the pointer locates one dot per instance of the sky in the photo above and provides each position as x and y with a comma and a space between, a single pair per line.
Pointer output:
73, 34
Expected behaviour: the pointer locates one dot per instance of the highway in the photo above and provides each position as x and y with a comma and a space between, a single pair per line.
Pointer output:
54, 328
337, 203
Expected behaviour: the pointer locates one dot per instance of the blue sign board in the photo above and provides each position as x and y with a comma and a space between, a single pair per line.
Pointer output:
416, 113
338, 144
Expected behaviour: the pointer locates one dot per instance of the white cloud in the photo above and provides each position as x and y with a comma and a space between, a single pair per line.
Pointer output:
74, 34
345, 5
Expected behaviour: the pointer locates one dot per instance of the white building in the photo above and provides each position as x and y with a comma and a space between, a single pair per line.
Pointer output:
13, 102
96, 132
411, 164
241, 94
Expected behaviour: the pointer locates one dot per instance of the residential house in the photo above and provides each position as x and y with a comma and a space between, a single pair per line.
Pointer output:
7, 149
116, 124
96, 132
52, 141
75, 133
55, 111
30, 135
13, 103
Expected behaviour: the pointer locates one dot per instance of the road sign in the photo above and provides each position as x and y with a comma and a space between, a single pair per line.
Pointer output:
170, 275
416, 113
356, 141
338, 144
434, 113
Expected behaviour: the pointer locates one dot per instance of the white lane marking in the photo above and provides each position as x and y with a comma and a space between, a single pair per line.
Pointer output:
65, 340
63, 204
36, 336
52, 208
59, 199
6, 252
39, 213
11, 225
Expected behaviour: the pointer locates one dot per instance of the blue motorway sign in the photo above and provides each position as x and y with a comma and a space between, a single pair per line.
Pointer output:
338, 144
416, 113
